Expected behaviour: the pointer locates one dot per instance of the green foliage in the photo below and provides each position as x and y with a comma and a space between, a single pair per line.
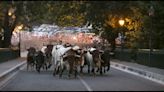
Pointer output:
137, 22
103, 15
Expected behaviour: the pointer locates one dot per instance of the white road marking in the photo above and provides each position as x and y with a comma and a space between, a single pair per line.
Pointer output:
85, 84
11, 69
7, 80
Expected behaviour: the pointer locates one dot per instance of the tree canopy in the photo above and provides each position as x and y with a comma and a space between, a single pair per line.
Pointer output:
103, 15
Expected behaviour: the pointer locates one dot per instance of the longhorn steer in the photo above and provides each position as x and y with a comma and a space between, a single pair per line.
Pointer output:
71, 60
57, 53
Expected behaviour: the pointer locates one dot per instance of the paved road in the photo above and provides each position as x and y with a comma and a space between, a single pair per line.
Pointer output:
114, 80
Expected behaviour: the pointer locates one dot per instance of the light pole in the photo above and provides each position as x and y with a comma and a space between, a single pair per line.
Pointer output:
11, 15
121, 22
20, 28
151, 13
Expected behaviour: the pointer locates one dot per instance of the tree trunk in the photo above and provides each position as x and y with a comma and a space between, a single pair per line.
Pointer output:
113, 44
8, 29
6, 41
7, 38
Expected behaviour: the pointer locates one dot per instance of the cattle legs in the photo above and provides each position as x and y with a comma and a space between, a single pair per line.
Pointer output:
88, 68
61, 72
99, 69
56, 71
75, 70
38, 67
108, 66
30, 65
27, 66
81, 69
49, 65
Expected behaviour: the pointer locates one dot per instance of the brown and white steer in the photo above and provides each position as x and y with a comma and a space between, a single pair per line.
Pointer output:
92, 58
57, 59
47, 50
71, 60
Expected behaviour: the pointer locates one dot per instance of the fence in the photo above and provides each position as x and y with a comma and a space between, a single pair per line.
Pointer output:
8, 54
142, 57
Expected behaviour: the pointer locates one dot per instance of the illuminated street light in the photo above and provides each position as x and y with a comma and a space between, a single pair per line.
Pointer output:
121, 22
9, 13
20, 27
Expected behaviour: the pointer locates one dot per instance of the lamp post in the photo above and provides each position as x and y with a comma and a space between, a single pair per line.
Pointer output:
11, 15
151, 13
20, 28
121, 22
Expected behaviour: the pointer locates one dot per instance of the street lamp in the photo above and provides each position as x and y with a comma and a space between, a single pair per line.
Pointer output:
151, 13
9, 13
121, 22
20, 28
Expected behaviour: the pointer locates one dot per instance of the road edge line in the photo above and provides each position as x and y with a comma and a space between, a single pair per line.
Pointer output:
85, 84
147, 76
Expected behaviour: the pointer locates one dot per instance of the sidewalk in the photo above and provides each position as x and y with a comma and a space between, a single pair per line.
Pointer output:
7, 65
11, 65
9, 68
151, 73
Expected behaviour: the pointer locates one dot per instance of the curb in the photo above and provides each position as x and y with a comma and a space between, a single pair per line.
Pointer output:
5, 74
136, 71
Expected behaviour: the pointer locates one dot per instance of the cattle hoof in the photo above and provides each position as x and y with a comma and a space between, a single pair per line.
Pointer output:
53, 74
49, 66
69, 76
108, 69
60, 76
81, 74
38, 70
92, 71
101, 73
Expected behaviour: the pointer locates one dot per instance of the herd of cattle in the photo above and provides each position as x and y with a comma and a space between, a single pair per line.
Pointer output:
70, 58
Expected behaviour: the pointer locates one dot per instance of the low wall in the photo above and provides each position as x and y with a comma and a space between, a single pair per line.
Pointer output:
8, 54
156, 59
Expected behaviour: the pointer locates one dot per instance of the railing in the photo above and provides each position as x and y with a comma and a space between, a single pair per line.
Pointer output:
8, 54
142, 57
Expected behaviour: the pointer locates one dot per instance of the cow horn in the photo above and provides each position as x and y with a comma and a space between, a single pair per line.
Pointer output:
77, 56
65, 56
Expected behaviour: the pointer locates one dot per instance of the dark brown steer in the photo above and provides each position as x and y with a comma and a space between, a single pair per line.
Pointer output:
96, 54
48, 53
31, 57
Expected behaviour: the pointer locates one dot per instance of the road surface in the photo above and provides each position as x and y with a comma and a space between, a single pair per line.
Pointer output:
114, 80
